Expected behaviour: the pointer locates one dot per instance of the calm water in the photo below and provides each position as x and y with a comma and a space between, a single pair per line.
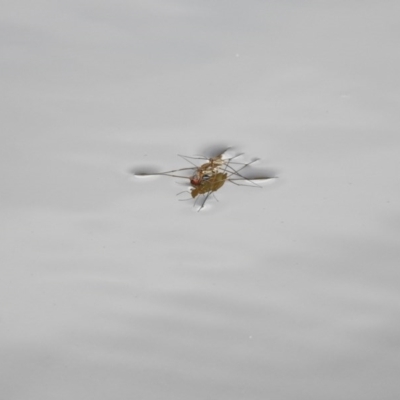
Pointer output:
113, 289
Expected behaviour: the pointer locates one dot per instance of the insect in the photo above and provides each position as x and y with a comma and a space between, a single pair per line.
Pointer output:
211, 175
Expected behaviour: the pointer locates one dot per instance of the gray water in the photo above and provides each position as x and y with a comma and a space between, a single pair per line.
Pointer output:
112, 288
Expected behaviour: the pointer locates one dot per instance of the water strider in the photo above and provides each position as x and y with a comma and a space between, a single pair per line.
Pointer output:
207, 178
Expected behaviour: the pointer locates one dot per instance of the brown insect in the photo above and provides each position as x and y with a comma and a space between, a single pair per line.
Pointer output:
210, 176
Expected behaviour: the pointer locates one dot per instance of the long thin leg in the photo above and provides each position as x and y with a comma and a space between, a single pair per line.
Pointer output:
187, 159
204, 202
166, 173
193, 158
207, 158
234, 171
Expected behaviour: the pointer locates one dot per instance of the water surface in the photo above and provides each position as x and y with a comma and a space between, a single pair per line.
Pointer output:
112, 288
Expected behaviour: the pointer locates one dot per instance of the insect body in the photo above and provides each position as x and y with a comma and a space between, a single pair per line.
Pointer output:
209, 184
207, 170
212, 175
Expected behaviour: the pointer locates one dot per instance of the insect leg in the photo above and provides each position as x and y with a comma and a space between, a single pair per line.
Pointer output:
234, 171
204, 202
